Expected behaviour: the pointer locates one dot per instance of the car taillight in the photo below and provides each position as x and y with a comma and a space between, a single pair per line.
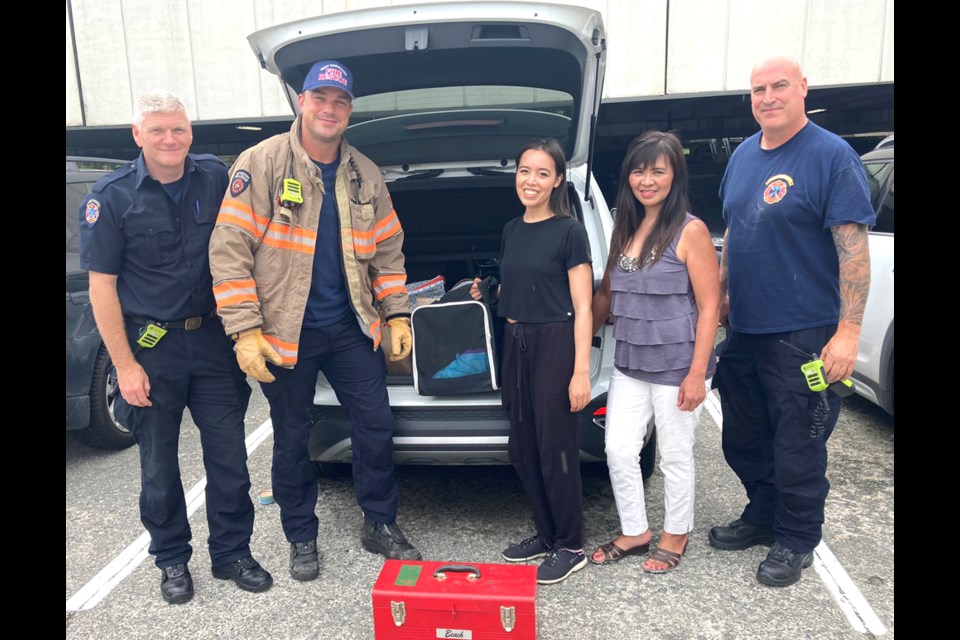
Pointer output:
600, 417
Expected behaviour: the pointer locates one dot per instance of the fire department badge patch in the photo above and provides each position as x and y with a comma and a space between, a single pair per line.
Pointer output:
239, 183
776, 188
93, 212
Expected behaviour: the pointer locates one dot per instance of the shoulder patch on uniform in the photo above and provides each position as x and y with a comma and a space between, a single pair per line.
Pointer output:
239, 182
92, 212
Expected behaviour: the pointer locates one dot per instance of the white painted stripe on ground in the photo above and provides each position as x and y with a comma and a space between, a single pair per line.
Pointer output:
712, 403
130, 558
858, 611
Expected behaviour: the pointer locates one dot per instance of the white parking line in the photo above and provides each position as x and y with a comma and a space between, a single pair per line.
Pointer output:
860, 614
130, 558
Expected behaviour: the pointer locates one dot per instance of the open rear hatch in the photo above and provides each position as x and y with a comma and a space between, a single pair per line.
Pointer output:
454, 83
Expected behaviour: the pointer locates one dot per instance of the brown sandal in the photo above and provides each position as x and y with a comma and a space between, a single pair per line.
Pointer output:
669, 558
612, 553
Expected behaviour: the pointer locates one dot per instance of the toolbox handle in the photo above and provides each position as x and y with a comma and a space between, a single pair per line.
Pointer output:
473, 571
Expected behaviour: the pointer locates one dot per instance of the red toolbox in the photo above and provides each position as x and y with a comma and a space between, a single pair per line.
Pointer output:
442, 600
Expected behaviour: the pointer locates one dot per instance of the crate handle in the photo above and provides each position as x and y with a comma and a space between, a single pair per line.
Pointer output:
473, 571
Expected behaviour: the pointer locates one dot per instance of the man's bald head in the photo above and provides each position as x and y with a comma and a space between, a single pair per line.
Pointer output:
778, 94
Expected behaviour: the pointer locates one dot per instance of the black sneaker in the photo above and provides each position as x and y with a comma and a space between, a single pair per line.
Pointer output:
782, 567
740, 535
176, 585
529, 549
387, 540
560, 564
304, 560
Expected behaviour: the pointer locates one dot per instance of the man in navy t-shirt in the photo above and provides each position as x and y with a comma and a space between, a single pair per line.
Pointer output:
795, 273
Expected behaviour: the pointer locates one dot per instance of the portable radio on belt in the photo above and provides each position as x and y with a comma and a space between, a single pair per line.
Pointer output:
816, 376
150, 335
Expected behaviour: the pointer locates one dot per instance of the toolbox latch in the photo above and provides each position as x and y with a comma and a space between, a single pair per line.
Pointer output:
508, 617
399, 612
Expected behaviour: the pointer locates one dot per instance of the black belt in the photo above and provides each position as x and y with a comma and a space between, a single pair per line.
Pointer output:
187, 324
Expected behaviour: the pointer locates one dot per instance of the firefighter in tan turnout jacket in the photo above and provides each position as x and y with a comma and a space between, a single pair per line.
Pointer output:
307, 265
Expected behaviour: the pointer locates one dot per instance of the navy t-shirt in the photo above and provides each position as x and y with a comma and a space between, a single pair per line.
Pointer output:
328, 302
534, 260
779, 205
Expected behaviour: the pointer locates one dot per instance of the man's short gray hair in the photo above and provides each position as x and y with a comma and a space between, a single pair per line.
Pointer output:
157, 101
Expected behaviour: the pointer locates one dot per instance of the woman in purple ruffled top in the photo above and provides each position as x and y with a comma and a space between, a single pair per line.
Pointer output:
662, 288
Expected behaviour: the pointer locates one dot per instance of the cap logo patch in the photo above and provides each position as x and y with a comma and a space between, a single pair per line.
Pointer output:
92, 213
332, 73
239, 183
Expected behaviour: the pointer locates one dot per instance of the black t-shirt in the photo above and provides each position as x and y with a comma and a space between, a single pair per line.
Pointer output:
534, 260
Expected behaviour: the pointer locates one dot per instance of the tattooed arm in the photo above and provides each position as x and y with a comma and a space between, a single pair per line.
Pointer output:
840, 354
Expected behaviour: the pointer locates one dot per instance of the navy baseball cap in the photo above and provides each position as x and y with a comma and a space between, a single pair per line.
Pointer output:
329, 73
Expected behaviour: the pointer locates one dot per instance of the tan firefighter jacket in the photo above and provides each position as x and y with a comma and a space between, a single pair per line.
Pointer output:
261, 252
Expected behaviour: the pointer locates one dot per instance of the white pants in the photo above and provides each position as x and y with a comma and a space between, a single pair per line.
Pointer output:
630, 405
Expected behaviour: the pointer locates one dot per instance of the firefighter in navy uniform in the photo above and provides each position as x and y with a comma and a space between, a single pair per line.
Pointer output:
144, 233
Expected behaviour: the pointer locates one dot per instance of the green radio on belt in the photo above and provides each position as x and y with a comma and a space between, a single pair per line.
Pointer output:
150, 335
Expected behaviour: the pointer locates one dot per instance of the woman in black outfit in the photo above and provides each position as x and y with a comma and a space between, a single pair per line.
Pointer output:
545, 297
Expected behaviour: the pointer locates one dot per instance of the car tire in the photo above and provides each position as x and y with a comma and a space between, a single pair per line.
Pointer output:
648, 455
104, 432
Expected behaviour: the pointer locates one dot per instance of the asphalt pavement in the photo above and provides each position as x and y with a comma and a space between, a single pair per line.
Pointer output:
469, 514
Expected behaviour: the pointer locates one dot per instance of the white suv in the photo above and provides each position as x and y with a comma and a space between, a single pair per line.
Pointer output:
446, 94
873, 374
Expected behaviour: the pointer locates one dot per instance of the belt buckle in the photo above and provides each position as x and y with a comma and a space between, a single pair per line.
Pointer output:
192, 323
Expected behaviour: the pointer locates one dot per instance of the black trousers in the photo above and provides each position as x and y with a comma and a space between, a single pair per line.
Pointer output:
358, 376
544, 442
195, 369
771, 437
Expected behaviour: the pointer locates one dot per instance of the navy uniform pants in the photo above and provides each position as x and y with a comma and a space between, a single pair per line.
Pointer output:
544, 443
195, 369
775, 434
358, 376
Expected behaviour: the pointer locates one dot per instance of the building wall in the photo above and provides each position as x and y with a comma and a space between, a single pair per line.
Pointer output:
117, 49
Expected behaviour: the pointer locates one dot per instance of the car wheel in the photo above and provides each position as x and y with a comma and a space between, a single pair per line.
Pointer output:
104, 431
648, 455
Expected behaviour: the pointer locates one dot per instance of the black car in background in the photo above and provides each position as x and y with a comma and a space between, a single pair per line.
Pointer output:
91, 377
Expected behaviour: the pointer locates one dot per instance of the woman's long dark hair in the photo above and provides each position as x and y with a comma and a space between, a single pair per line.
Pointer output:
559, 204
643, 152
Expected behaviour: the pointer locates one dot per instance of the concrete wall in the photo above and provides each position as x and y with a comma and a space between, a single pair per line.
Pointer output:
117, 49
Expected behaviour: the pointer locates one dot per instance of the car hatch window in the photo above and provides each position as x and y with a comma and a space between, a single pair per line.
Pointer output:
885, 213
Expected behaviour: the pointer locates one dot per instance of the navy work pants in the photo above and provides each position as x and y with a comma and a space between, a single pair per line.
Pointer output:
544, 444
358, 376
771, 438
195, 369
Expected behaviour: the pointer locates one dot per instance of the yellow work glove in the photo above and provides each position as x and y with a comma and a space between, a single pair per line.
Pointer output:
252, 351
401, 340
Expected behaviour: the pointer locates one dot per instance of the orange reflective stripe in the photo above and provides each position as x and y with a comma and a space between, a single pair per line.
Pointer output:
234, 292
290, 245
242, 215
389, 284
287, 350
375, 332
230, 301
389, 226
